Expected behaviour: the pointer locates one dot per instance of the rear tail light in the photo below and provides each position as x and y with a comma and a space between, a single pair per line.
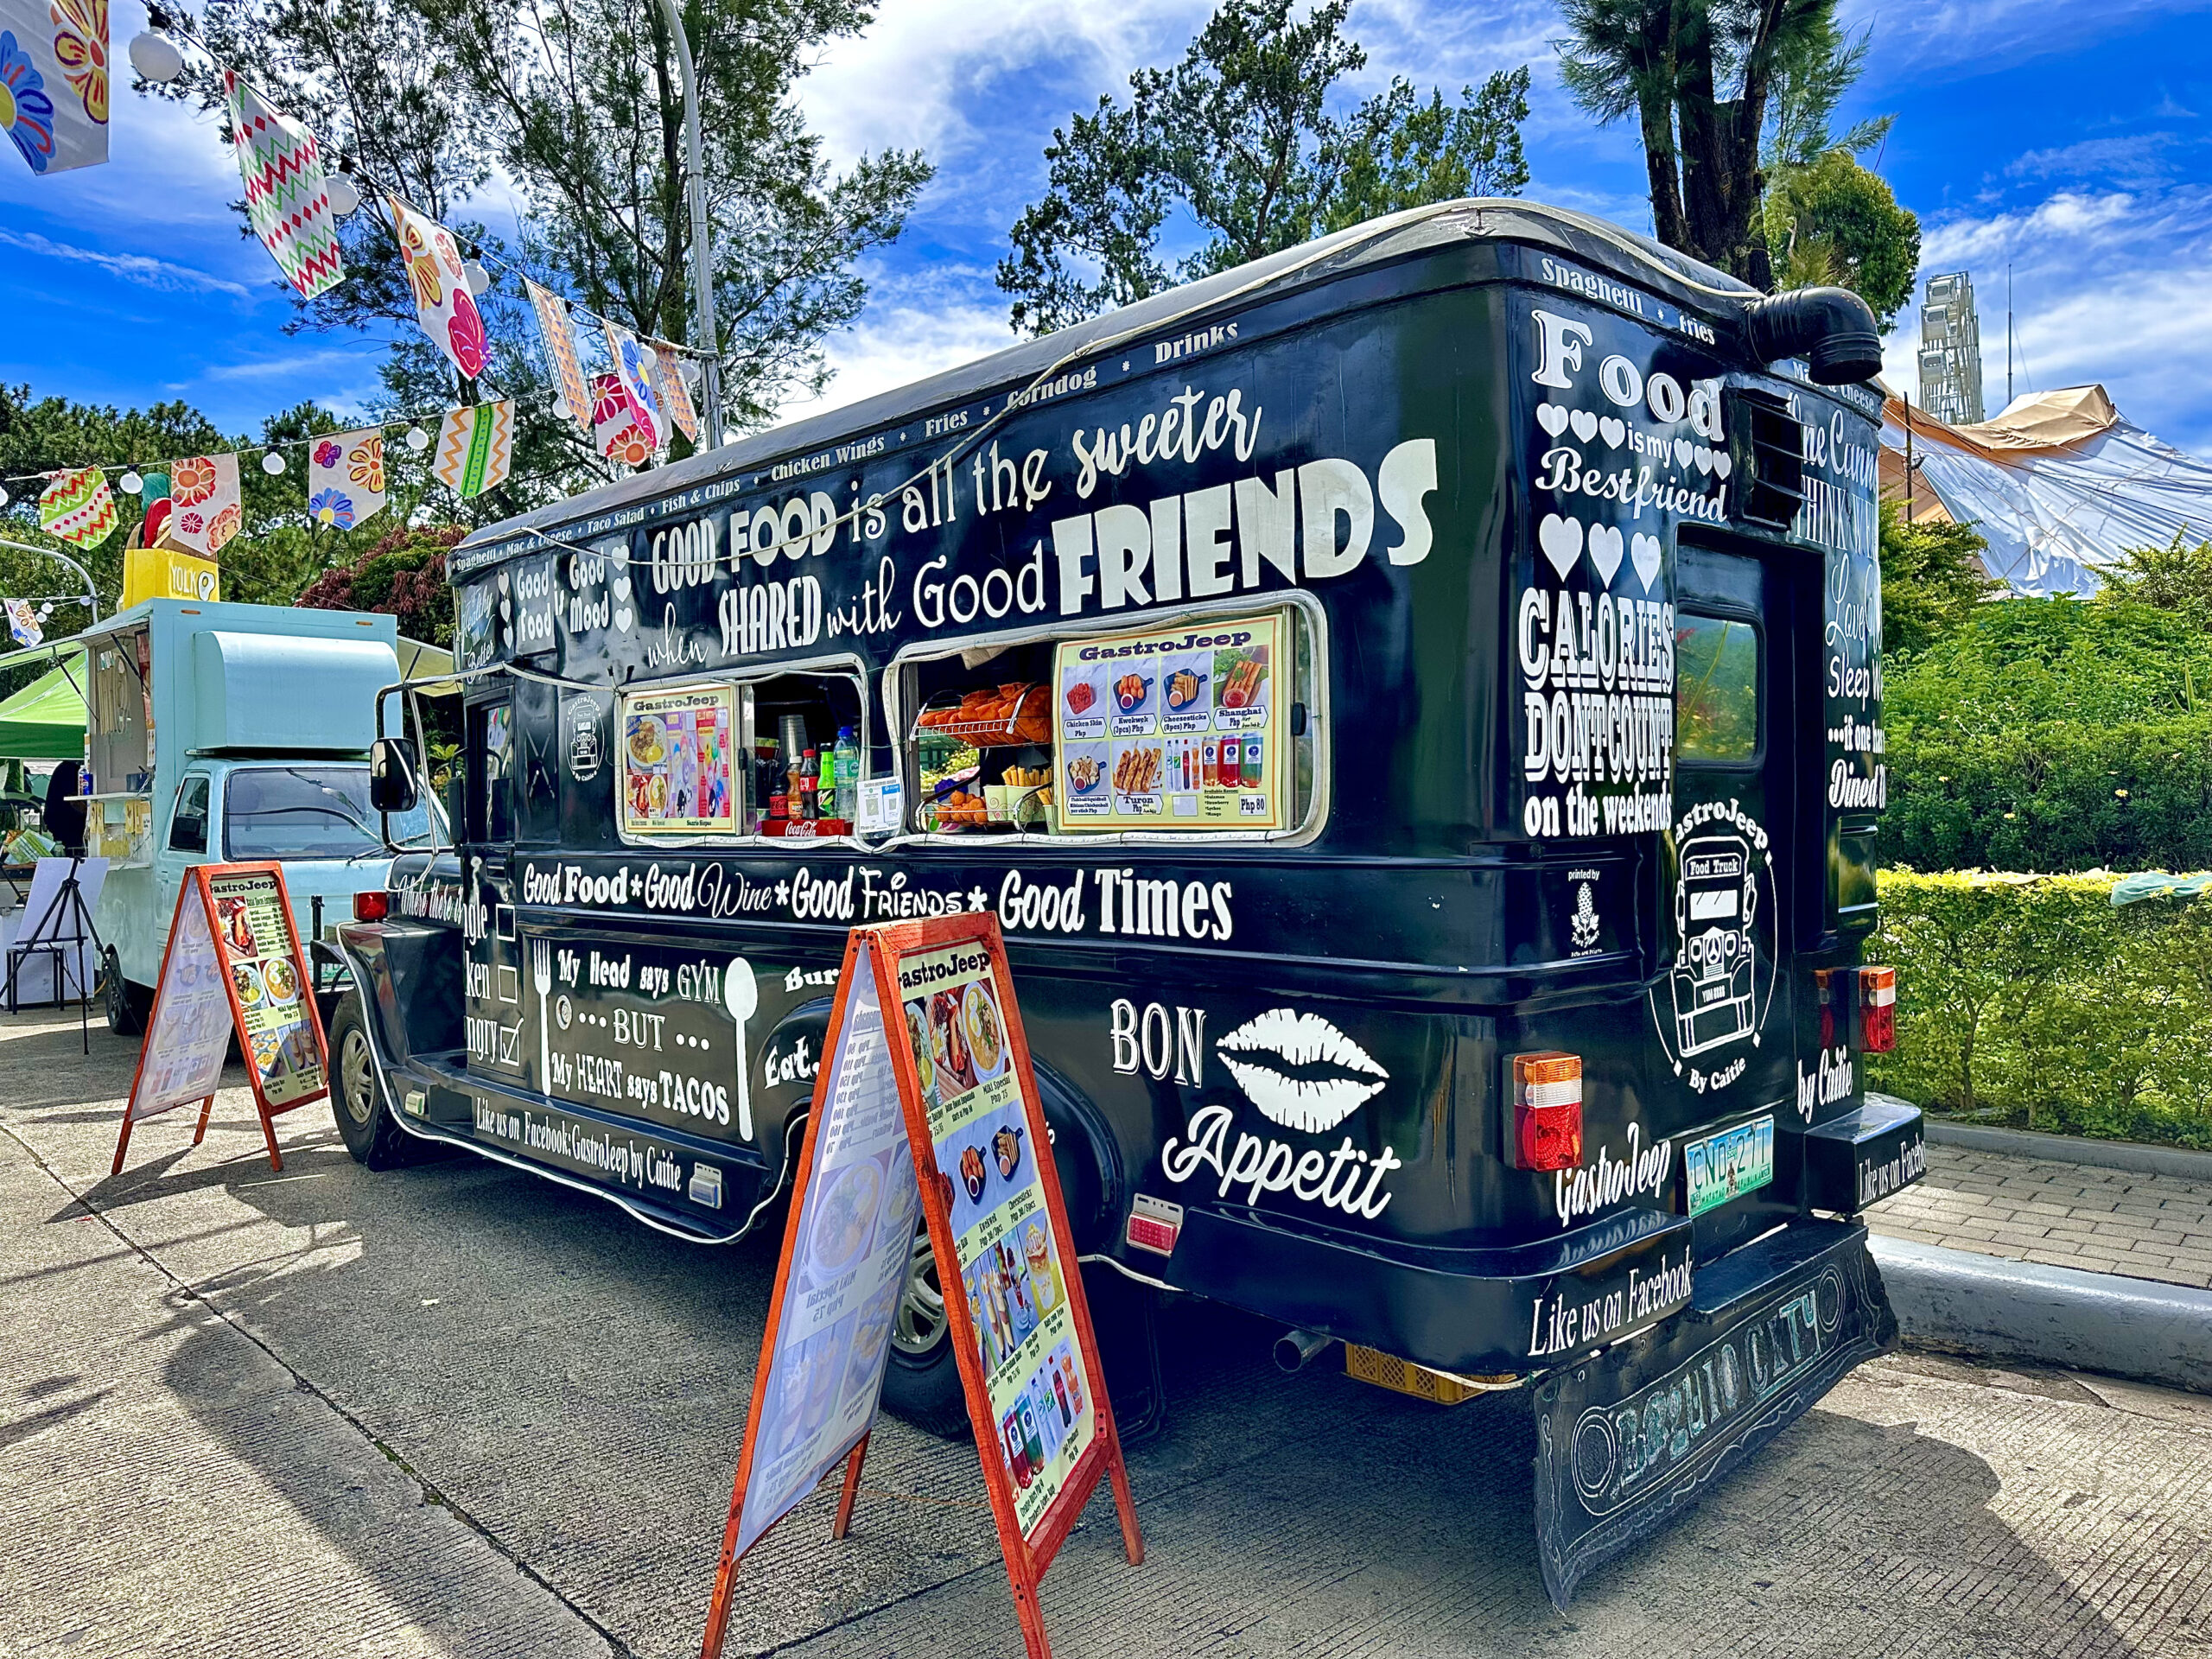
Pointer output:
372, 906
1546, 1131
1877, 1009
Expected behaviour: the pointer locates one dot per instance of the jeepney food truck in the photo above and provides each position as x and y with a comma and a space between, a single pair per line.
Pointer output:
1412, 704
228, 731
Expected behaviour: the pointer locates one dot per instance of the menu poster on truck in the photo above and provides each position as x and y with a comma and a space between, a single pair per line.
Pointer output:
232, 964
928, 1102
1176, 728
676, 776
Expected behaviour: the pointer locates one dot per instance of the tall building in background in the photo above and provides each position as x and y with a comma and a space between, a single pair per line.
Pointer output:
1950, 350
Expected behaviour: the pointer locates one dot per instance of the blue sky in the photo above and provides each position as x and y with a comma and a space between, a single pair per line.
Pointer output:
2075, 141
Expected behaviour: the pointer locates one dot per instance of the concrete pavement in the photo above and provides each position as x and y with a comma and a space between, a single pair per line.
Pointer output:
454, 1410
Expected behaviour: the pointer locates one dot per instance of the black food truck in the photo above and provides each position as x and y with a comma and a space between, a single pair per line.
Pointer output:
1413, 706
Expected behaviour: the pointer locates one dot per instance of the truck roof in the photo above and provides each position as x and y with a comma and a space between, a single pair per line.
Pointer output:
1591, 241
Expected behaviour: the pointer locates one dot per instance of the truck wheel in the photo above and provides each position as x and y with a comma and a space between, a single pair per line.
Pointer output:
126, 1005
357, 1095
921, 1381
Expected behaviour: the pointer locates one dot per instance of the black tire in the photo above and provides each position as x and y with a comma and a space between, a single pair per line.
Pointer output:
921, 1381
126, 1005
357, 1098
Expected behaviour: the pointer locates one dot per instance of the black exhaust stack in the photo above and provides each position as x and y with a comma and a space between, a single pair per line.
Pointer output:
1832, 329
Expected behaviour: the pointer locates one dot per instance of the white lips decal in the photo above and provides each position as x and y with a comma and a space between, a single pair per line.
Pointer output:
1299, 1070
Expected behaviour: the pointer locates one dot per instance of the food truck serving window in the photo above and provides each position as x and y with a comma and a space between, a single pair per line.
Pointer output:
782, 755
1197, 724
1716, 690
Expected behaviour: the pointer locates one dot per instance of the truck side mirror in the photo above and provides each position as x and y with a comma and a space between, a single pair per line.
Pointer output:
392, 786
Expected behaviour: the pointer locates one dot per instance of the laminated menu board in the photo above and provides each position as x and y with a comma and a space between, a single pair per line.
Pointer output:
233, 965
927, 1103
1174, 729
677, 748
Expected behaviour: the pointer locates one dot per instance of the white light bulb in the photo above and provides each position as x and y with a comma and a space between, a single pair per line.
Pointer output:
131, 483
45, 611
560, 409
272, 463
155, 58
4, 497
418, 438
344, 198
478, 278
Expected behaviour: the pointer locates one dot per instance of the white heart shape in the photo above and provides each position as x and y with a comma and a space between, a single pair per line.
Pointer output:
1703, 457
622, 586
1643, 554
1682, 446
1604, 551
1585, 424
623, 618
1552, 419
506, 611
1722, 466
1615, 430
503, 581
1561, 541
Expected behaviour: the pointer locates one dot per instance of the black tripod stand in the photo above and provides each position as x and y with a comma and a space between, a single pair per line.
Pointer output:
62, 933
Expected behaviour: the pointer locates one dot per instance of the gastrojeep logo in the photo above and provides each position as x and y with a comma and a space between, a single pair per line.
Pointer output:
1303, 1073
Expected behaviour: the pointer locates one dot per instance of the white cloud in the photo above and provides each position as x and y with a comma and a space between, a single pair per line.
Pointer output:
912, 331
138, 267
2114, 287
1975, 37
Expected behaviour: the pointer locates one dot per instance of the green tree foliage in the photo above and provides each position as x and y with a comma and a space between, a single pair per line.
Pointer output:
1238, 137
1833, 222
2053, 735
402, 576
2176, 577
1726, 97
1932, 580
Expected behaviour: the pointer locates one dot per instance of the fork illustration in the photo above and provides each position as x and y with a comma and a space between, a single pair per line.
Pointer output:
541, 979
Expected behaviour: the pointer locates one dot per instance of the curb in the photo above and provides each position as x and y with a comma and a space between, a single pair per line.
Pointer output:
2054, 1316
2179, 1162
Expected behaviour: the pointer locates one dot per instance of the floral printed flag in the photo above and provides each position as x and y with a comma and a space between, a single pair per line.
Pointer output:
54, 81
77, 507
286, 199
475, 447
22, 622
675, 396
633, 368
615, 423
442, 304
204, 505
345, 478
560, 352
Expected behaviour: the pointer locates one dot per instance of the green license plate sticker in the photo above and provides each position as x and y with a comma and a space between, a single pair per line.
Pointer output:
1730, 1164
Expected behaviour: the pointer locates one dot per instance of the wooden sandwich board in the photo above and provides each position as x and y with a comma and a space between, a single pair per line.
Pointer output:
926, 1099
233, 965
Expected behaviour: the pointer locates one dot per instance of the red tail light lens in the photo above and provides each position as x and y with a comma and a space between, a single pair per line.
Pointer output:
372, 906
1877, 1009
1546, 1131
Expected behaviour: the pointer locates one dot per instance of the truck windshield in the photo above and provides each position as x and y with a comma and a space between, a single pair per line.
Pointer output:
305, 812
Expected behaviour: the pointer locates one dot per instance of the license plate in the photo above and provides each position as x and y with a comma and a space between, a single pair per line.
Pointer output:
1728, 1164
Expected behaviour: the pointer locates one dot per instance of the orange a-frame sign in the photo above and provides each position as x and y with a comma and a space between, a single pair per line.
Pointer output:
926, 1095
232, 964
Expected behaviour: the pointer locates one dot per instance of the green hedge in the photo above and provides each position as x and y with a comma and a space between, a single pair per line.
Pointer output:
2034, 1001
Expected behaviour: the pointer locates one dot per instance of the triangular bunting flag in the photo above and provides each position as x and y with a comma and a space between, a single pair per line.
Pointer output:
615, 423
54, 81
633, 367
476, 447
560, 352
205, 508
346, 478
442, 304
286, 199
675, 396
77, 507
22, 622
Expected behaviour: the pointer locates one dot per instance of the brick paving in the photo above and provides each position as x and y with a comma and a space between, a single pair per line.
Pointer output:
2062, 1214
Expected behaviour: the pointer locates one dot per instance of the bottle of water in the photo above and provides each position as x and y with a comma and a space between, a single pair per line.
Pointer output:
848, 775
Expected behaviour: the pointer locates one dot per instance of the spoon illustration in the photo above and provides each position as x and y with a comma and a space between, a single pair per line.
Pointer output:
741, 996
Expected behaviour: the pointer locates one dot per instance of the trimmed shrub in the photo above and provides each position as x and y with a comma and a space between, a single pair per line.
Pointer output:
2033, 1001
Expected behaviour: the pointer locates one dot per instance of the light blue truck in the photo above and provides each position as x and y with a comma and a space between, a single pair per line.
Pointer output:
229, 733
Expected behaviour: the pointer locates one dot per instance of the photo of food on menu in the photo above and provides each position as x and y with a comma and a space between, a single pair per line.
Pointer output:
676, 762
1011, 1270
261, 957
1180, 729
